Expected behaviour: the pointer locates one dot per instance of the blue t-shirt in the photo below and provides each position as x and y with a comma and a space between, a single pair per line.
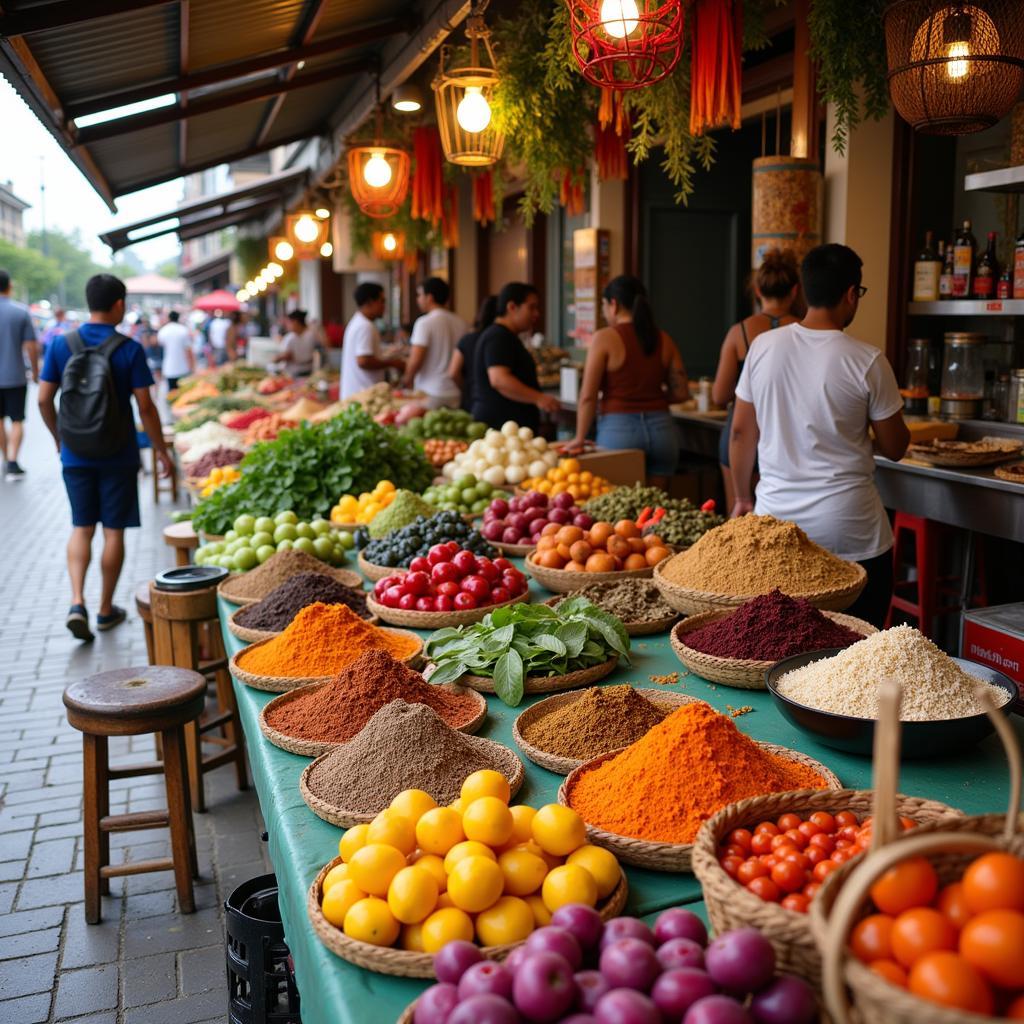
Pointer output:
130, 371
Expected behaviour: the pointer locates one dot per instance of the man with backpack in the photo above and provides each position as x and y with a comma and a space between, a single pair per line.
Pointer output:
98, 370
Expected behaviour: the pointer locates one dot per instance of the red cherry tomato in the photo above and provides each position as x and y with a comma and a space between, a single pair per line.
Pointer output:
731, 865
822, 842
823, 870
796, 901
503, 564
490, 572
811, 889
789, 877
768, 826
751, 869
740, 837
465, 562
444, 603
808, 828
766, 889
407, 602
782, 840
823, 820
815, 855
761, 842
499, 595
439, 553
798, 858
449, 588
798, 838
464, 601
419, 564
844, 818
788, 821
444, 572
417, 583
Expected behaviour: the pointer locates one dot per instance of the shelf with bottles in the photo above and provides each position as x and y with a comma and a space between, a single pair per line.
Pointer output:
967, 307
1006, 179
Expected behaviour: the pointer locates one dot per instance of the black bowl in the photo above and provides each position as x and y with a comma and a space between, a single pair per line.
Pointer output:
856, 735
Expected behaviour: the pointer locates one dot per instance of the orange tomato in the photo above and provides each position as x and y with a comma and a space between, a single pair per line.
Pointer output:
637, 545
619, 547
995, 881
910, 884
919, 931
600, 561
550, 560
952, 903
627, 528
655, 555
550, 530
600, 532
949, 980
994, 943
635, 561
891, 971
569, 535
871, 938
580, 551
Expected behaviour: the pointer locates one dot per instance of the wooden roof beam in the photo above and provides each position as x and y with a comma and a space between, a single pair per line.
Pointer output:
63, 13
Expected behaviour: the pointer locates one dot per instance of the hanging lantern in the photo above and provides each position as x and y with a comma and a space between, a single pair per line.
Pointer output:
279, 249
305, 233
954, 68
378, 176
388, 245
626, 44
462, 97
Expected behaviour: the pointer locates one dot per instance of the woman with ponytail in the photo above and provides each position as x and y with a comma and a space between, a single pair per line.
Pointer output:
637, 371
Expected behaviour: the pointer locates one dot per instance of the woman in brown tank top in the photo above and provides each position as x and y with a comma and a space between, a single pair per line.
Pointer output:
637, 370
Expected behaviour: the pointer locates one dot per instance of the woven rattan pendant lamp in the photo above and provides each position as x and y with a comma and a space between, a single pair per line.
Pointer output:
378, 173
954, 68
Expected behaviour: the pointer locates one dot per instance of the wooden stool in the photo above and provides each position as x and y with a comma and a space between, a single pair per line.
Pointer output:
132, 702
146, 614
183, 539
178, 620
170, 483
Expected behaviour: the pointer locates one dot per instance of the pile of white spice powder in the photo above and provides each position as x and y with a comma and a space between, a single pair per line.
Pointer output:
934, 686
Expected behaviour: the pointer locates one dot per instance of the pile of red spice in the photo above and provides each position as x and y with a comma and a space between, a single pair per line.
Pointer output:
334, 712
771, 627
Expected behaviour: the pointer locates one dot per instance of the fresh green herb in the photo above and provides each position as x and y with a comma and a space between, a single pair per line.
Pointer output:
528, 640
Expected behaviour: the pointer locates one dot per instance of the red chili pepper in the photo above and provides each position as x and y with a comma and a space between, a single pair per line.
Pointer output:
644, 516
708, 506
659, 514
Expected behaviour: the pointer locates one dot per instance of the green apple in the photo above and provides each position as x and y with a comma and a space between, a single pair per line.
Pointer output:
286, 517
321, 527
245, 525
304, 544
323, 547
305, 530
245, 559
284, 532
264, 524
285, 545
257, 540
346, 539
230, 536
264, 552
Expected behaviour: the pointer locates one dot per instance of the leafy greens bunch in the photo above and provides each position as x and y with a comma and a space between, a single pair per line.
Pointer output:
528, 640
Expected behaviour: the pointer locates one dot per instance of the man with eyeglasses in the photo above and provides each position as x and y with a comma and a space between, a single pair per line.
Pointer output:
805, 401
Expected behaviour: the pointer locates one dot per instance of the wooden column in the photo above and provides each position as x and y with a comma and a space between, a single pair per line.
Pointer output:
804, 134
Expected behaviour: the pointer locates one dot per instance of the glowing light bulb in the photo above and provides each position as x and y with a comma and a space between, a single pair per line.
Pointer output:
284, 251
957, 66
261, 285
306, 229
241, 295
619, 18
473, 112
276, 269
326, 250
250, 286
377, 171
322, 212
390, 243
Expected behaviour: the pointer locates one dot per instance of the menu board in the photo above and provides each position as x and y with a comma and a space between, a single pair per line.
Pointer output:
591, 272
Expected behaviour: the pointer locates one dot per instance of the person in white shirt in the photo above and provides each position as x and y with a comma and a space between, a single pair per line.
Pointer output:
217, 332
299, 345
434, 337
362, 365
804, 402
176, 340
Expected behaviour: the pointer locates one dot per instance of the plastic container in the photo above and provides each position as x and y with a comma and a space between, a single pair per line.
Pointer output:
190, 577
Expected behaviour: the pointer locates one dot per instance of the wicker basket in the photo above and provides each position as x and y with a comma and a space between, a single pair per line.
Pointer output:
226, 589
548, 684
744, 673
668, 856
377, 572
403, 963
565, 765
559, 581
437, 620
950, 846
314, 748
253, 636
508, 764
512, 550
692, 602
644, 628
281, 684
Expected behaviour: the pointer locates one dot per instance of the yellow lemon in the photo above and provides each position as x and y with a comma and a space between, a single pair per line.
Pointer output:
373, 867
524, 872
354, 839
412, 804
370, 920
412, 938
531, 847
488, 820
337, 874
541, 914
457, 805
601, 864
485, 782
432, 862
509, 920
568, 884
558, 830
475, 883
444, 900
412, 895
438, 830
392, 829
522, 818
444, 926
469, 848
339, 899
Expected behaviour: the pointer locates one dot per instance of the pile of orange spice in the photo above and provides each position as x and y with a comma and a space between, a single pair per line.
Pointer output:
680, 773
322, 640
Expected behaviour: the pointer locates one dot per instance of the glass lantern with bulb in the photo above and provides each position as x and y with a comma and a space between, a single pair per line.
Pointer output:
388, 245
281, 250
378, 175
305, 232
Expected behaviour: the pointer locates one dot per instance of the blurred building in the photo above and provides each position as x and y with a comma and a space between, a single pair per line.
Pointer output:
151, 292
12, 228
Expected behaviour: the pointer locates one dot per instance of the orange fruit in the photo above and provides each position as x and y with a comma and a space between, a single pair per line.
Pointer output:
488, 820
486, 782
373, 867
913, 883
627, 528
550, 560
475, 883
599, 533
995, 881
953, 904
871, 938
522, 818
558, 830
412, 804
337, 902
508, 920
568, 884
580, 551
541, 914
469, 848
444, 926
599, 561
337, 874
994, 943
370, 920
524, 871
891, 971
353, 839
656, 555
949, 980
601, 864
393, 829
412, 895
439, 830
919, 931
634, 561
569, 535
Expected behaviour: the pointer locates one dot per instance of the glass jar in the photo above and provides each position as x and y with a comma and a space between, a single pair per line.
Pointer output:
963, 375
915, 389
1001, 398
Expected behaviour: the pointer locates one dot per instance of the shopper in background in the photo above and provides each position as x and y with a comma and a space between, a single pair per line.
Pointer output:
434, 337
504, 381
298, 346
805, 400
362, 364
234, 340
58, 325
17, 343
217, 333
637, 371
776, 285
176, 340
460, 369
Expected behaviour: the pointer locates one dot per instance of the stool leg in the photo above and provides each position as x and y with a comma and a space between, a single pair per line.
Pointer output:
181, 556
194, 747
232, 728
174, 483
179, 814
927, 571
94, 778
897, 537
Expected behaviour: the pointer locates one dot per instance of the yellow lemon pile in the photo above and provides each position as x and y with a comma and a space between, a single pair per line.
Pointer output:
357, 511
567, 476
219, 476
419, 876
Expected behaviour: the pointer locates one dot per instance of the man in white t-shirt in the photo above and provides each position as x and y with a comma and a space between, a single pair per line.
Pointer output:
176, 340
217, 332
806, 397
362, 365
434, 337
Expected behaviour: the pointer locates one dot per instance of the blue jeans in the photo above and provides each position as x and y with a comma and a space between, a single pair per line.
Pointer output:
654, 432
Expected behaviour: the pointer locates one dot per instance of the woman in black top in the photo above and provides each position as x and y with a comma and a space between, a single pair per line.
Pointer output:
460, 369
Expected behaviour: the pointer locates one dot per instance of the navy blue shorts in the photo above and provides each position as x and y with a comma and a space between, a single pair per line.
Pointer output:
109, 496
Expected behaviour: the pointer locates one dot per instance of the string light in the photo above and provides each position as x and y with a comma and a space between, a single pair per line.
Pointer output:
390, 242
284, 250
322, 212
307, 230
327, 250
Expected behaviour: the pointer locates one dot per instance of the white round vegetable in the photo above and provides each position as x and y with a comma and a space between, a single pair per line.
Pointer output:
492, 435
495, 476
525, 434
515, 474
510, 428
538, 467
518, 459
480, 467
551, 458
539, 443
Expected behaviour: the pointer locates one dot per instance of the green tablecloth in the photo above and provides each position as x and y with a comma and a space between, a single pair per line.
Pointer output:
335, 992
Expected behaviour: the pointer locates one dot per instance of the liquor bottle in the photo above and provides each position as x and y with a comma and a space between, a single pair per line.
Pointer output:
987, 272
1004, 287
1018, 267
927, 271
963, 261
946, 280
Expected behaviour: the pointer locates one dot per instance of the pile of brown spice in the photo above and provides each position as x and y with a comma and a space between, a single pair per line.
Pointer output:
631, 601
259, 582
752, 555
603, 718
284, 602
334, 712
403, 746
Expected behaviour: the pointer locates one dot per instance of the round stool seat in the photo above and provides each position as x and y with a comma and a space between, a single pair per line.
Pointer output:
128, 701
142, 601
181, 535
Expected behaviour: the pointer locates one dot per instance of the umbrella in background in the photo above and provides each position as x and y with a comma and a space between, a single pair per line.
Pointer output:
219, 299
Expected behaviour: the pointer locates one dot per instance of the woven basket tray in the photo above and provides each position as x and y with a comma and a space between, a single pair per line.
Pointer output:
437, 620
314, 748
692, 602
253, 636
346, 577
400, 962
376, 572
668, 856
565, 765
730, 905
648, 628
280, 684
512, 550
509, 765
549, 684
744, 673
558, 581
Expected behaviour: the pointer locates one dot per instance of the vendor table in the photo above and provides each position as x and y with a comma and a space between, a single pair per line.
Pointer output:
336, 992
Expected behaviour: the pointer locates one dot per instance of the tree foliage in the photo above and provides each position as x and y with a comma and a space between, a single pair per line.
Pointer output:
33, 276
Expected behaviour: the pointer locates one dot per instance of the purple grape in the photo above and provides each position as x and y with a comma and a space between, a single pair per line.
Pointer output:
630, 963
486, 978
581, 921
543, 988
626, 1006
716, 1010
590, 986
786, 1000
740, 961
680, 953
484, 1009
678, 923
551, 939
453, 959
435, 1004
626, 928
678, 989
583, 521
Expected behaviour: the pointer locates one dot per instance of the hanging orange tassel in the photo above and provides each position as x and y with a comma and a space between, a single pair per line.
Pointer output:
716, 68
428, 175
450, 217
483, 198
610, 148
571, 192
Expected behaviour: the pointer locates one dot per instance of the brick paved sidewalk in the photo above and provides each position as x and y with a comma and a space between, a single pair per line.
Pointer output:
145, 964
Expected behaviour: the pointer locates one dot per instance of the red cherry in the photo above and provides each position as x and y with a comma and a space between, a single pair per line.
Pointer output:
449, 588
442, 572
464, 602
465, 562
499, 595
407, 602
391, 597
443, 603
504, 564
424, 604
417, 583
419, 564
489, 571
438, 553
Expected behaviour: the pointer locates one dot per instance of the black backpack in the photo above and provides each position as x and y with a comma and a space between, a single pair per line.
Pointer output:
91, 421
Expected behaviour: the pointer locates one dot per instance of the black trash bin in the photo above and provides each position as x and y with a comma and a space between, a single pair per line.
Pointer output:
261, 982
